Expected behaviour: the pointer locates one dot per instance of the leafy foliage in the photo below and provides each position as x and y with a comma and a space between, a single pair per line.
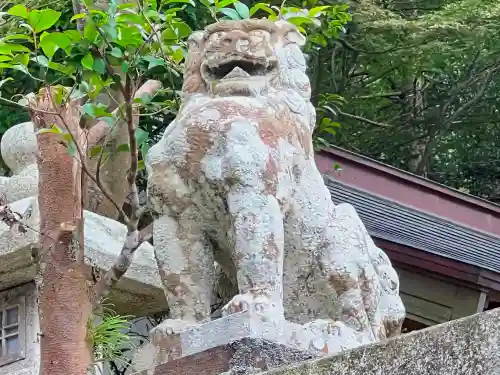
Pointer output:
419, 81
109, 335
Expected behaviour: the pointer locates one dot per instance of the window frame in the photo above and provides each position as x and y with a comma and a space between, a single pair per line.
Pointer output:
9, 299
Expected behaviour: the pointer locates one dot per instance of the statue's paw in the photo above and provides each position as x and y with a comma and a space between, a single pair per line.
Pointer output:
256, 304
171, 327
325, 327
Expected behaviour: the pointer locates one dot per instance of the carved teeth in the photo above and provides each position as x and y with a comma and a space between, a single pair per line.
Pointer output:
237, 72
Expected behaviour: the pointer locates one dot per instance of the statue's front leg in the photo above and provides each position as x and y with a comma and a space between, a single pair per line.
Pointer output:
185, 261
258, 252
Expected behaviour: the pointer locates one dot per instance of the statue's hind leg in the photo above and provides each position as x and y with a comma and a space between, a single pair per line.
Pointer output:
341, 255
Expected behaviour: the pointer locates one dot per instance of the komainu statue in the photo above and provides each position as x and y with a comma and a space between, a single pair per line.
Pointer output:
234, 180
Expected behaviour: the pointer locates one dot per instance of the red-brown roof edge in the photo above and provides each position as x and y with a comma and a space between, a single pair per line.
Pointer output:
410, 177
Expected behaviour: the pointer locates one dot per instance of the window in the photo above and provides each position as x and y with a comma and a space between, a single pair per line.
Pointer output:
12, 326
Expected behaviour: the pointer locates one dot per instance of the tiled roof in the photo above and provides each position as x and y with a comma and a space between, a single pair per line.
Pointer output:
407, 226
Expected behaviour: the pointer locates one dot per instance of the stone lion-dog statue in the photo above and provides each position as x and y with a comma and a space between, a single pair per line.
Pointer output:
234, 180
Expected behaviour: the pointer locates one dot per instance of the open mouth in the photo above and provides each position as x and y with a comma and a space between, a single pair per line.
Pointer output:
240, 68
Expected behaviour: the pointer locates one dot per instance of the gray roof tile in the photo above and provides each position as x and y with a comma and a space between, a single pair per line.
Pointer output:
404, 225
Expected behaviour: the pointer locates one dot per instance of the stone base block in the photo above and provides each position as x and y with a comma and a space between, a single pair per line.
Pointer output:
237, 343
242, 357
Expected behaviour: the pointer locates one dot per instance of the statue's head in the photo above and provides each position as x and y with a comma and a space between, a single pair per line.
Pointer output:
19, 146
243, 58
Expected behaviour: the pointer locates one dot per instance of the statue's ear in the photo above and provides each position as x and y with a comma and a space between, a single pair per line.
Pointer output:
196, 40
290, 33
294, 36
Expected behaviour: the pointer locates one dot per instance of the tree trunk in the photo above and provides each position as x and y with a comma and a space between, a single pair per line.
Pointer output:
64, 287
418, 147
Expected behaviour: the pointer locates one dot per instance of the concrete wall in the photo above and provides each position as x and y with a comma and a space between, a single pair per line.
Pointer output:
469, 346
430, 300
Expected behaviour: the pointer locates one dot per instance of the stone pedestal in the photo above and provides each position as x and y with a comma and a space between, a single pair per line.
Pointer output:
238, 344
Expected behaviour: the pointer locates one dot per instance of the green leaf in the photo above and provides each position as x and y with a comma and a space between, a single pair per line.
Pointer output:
144, 149
131, 19
76, 94
317, 10
140, 165
18, 37
4, 58
73, 35
178, 55
71, 148
90, 31
5, 66
207, 3
18, 11
22, 59
43, 19
21, 68
99, 66
88, 109
110, 32
88, 61
95, 151
191, 2
127, 6
42, 60
123, 148
318, 39
67, 137
129, 36
154, 61
48, 47
231, 13
5, 49
78, 16
8, 48
141, 136
66, 69
116, 52
144, 99
53, 129
51, 42
242, 9
176, 31
298, 21
261, 6
125, 66
225, 3
95, 110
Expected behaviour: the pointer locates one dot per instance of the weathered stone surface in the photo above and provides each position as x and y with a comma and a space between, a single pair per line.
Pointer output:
139, 291
19, 148
234, 180
240, 327
242, 339
469, 346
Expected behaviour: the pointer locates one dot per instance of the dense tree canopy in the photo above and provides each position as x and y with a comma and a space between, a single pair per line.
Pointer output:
420, 79
409, 82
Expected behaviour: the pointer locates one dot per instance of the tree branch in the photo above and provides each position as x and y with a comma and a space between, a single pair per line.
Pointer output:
132, 242
365, 120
